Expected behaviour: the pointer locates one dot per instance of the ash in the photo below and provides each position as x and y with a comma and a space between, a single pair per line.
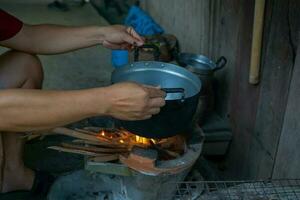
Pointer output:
83, 185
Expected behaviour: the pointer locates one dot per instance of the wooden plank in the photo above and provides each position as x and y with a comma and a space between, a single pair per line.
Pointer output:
1, 161
275, 82
225, 17
244, 96
287, 163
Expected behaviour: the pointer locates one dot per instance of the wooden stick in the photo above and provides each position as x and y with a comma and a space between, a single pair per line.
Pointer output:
257, 41
75, 134
30, 136
100, 143
86, 131
76, 151
104, 158
93, 148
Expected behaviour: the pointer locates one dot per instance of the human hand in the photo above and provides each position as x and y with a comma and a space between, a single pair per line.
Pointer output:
121, 37
132, 101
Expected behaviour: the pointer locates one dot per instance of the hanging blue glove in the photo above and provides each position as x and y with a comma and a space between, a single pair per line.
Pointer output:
142, 22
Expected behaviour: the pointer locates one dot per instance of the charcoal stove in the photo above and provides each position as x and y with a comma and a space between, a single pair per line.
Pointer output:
142, 174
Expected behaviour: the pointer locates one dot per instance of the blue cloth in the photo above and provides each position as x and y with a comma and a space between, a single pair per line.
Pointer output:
119, 58
142, 22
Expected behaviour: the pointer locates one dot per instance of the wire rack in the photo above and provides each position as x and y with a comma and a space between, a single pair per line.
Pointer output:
287, 189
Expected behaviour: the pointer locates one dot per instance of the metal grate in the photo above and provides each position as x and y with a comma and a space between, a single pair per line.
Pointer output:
239, 190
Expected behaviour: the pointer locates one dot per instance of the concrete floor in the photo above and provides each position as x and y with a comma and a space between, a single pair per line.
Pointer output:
80, 69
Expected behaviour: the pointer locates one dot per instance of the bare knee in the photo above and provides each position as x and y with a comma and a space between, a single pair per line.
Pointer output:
29, 67
32, 69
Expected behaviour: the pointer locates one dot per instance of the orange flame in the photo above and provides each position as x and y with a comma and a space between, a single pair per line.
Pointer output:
125, 135
102, 133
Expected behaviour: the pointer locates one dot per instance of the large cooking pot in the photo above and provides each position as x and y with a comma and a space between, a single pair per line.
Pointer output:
182, 88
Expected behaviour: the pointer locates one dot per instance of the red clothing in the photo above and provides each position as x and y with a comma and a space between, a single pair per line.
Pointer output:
9, 25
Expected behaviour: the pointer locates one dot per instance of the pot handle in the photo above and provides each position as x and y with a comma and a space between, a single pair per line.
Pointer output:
175, 90
221, 62
156, 51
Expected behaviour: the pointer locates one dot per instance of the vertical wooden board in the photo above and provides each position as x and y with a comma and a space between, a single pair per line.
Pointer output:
1, 161
244, 97
294, 21
275, 82
287, 164
224, 42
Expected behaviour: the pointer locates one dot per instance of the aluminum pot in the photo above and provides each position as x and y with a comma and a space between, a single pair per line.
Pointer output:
182, 88
202, 66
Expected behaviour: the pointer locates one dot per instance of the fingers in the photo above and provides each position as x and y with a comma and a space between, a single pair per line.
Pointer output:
146, 117
156, 102
131, 40
154, 111
137, 38
155, 92
111, 45
150, 86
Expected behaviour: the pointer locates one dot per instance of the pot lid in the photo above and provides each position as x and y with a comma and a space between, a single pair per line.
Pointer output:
161, 74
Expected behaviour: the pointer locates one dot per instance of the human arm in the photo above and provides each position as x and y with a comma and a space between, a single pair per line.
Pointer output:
54, 39
31, 110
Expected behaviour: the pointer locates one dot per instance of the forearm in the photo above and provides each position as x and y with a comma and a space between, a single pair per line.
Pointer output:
53, 39
30, 110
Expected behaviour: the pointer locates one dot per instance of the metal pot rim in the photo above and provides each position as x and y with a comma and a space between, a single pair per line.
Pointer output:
160, 67
199, 63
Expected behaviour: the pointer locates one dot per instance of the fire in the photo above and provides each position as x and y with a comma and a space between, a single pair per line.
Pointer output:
144, 140
102, 133
123, 136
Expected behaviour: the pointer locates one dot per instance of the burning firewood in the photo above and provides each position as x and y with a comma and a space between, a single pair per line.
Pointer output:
100, 143
94, 149
103, 145
76, 151
86, 131
75, 134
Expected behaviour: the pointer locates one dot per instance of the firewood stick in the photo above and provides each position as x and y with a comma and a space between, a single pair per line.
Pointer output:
104, 158
93, 149
30, 136
86, 131
101, 143
98, 129
75, 151
75, 134
93, 128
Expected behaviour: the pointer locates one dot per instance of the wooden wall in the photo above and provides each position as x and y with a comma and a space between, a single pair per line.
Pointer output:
263, 117
203, 27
